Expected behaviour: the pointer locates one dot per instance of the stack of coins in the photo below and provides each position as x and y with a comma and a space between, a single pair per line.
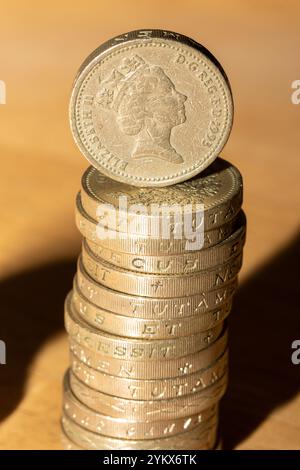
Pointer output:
155, 280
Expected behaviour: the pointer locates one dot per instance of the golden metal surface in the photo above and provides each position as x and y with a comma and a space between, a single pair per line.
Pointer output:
215, 195
140, 99
201, 437
147, 307
147, 314
127, 428
158, 285
148, 409
139, 244
67, 444
155, 389
190, 262
144, 328
149, 370
129, 348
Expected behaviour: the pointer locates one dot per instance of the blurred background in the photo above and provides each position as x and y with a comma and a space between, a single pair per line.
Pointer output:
42, 45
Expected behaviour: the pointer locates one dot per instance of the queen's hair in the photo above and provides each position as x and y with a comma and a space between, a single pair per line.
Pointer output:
131, 91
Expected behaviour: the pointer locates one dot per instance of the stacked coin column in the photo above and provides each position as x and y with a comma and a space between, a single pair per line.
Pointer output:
147, 317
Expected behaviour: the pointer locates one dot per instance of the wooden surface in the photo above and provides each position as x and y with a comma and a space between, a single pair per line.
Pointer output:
42, 44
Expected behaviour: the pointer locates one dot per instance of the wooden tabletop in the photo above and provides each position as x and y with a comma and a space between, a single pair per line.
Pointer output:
41, 45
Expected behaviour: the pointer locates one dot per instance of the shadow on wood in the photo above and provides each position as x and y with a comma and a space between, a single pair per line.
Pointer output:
264, 322
32, 310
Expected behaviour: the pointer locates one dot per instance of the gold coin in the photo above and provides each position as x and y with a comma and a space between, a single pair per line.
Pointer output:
147, 307
131, 327
128, 348
149, 369
158, 285
156, 389
188, 263
201, 437
137, 244
127, 428
211, 199
151, 108
148, 410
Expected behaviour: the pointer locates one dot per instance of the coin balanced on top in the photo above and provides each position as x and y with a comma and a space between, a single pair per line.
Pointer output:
151, 108
147, 315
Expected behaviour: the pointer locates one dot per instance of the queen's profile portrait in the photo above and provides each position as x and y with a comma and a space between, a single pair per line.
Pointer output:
147, 105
